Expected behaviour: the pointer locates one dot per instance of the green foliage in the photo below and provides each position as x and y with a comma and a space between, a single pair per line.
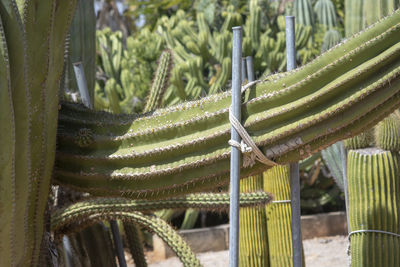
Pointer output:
333, 159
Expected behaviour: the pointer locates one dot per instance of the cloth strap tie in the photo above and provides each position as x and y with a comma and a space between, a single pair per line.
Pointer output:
247, 146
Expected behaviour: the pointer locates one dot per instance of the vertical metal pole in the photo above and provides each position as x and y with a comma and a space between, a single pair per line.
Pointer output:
343, 155
243, 71
294, 167
235, 152
68, 255
118, 243
250, 69
82, 85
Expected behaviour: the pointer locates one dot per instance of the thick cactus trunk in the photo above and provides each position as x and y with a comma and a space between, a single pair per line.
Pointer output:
277, 182
32, 48
253, 239
374, 204
279, 216
185, 148
82, 45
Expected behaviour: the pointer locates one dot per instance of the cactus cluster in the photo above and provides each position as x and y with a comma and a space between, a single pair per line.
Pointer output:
125, 70
362, 13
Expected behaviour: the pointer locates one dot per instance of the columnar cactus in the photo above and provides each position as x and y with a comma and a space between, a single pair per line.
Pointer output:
82, 45
326, 13
32, 50
374, 194
303, 11
374, 198
279, 219
134, 155
253, 238
362, 13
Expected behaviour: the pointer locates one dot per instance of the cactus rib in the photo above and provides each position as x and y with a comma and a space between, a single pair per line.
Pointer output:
290, 116
373, 176
7, 158
155, 224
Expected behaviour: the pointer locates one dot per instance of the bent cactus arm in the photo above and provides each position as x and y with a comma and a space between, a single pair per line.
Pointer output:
184, 148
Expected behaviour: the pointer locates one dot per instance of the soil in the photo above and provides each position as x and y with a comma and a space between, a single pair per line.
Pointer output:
319, 252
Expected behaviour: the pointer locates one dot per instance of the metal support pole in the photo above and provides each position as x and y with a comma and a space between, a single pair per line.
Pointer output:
235, 152
119, 249
68, 255
250, 69
343, 155
82, 85
244, 73
294, 167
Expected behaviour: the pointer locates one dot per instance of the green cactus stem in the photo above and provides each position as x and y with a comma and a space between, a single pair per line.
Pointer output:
184, 148
34, 33
135, 243
154, 224
326, 13
160, 81
362, 13
276, 181
374, 204
216, 201
303, 11
98, 245
387, 133
253, 239
82, 45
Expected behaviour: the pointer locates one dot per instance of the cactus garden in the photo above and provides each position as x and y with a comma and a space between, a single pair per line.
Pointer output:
86, 185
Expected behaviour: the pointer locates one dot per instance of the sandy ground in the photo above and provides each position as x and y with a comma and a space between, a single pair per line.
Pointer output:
319, 252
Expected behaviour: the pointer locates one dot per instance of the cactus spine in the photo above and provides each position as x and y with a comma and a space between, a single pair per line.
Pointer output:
253, 239
135, 155
374, 197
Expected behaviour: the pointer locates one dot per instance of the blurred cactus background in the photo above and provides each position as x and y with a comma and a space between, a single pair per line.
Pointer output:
142, 55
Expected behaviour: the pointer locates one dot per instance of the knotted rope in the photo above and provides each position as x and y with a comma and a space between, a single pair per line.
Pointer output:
247, 146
